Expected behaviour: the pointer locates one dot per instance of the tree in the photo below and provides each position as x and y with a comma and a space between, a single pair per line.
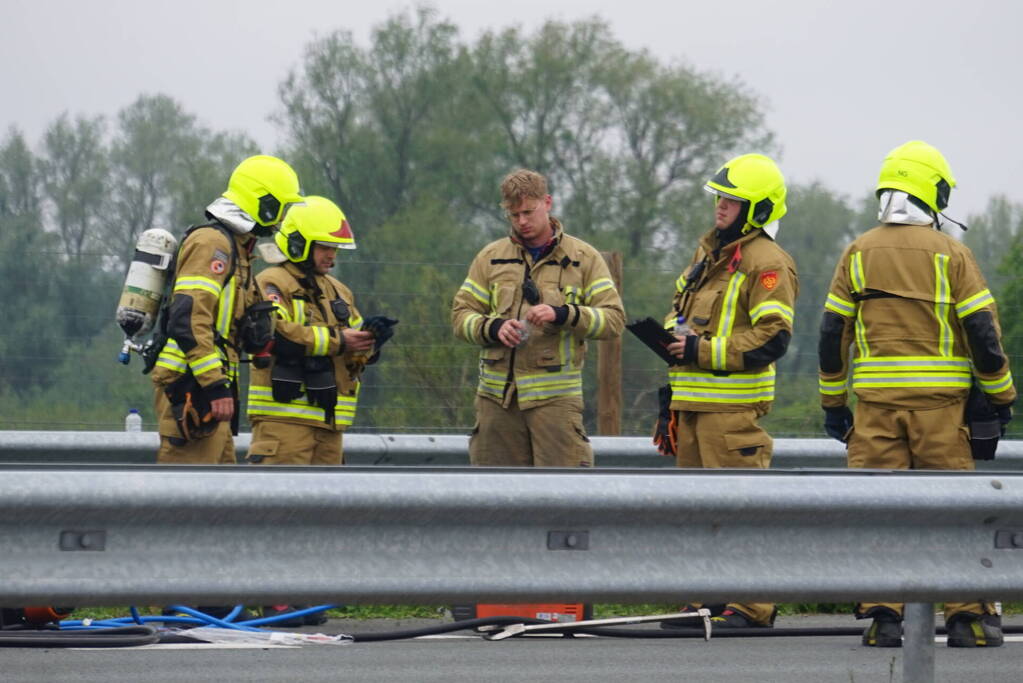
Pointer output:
75, 176
30, 340
152, 145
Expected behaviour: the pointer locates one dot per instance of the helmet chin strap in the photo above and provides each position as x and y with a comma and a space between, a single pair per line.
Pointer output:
937, 223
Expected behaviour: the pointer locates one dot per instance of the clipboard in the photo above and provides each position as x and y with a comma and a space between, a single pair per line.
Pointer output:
653, 334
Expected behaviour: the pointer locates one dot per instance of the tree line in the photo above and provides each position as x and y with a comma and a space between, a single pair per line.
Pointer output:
411, 134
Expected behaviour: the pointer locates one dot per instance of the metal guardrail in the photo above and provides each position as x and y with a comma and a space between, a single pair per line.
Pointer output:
102, 535
419, 449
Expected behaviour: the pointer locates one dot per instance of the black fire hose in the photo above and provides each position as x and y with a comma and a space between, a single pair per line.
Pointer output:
123, 636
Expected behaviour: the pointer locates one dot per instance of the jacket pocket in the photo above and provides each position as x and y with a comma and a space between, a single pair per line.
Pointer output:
701, 313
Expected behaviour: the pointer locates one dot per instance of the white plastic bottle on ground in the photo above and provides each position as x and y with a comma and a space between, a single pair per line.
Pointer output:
133, 421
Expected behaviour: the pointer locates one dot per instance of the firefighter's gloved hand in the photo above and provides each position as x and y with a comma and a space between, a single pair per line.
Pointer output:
1004, 416
286, 379
838, 422
381, 326
665, 428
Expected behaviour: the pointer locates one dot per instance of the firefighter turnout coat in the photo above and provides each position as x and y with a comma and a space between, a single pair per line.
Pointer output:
308, 320
912, 304
213, 287
548, 365
740, 303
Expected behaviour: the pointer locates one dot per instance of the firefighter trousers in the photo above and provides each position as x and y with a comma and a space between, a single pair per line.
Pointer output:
215, 449
735, 439
933, 439
550, 435
285, 443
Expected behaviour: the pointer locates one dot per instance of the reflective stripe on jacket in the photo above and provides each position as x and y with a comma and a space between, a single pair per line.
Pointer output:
740, 304
549, 364
305, 317
914, 308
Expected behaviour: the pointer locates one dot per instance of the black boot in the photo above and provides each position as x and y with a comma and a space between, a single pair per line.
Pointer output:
975, 630
885, 630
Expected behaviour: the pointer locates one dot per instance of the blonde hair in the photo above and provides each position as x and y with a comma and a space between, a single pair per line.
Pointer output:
522, 184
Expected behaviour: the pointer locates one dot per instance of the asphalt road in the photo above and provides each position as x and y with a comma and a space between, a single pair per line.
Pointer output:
465, 657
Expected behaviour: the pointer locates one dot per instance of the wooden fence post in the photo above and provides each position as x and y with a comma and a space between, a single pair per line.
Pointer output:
609, 366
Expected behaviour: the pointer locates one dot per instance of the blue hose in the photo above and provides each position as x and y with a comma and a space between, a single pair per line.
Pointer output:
194, 618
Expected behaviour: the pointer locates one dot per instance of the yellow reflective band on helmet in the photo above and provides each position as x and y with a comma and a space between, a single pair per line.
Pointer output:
476, 292
719, 353
596, 322
598, 286
911, 371
998, 385
536, 387
942, 301
204, 284
703, 386
321, 340
203, 365
840, 306
974, 303
491, 383
727, 319
833, 387
767, 308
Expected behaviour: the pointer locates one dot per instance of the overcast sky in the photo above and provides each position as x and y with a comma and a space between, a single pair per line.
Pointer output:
844, 82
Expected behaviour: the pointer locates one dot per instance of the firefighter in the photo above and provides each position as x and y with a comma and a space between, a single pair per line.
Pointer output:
732, 315
301, 404
196, 374
912, 304
530, 302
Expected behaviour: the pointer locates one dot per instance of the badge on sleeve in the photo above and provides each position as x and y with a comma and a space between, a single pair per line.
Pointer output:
769, 280
274, 294
218, 264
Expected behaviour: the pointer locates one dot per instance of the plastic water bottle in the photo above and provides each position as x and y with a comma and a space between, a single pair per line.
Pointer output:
523, 332
133, 421
682, 327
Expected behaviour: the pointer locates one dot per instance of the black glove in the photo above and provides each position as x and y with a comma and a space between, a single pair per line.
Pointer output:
190, 405
838, 422
256, 328
664, 429
381, 326
320, 385
286, 379
1004, 416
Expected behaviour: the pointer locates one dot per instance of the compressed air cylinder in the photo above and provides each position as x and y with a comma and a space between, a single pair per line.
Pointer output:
144, 285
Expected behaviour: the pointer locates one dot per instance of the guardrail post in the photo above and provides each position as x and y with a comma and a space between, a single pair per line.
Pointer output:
918, 643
